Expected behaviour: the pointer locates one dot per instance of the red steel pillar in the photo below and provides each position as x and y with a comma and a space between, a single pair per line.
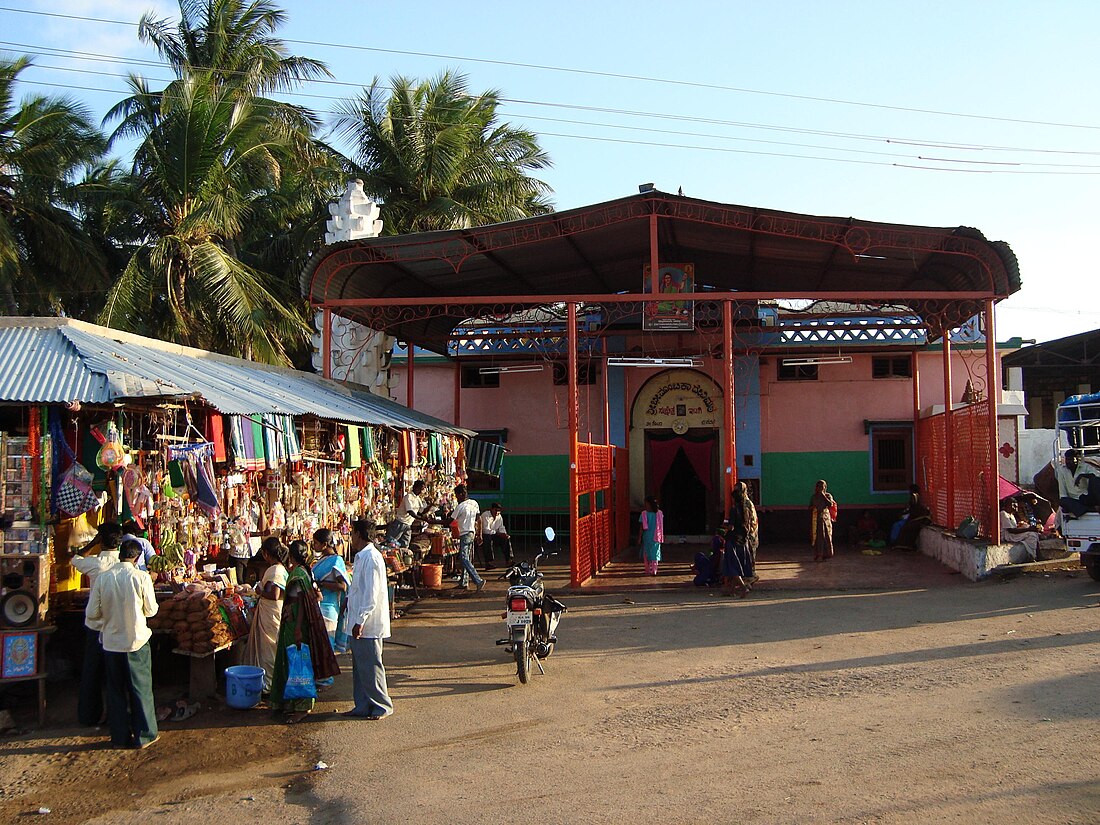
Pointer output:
574, 513
729, 411
994, 394
606, 398
948, 431
411, 362
914, 371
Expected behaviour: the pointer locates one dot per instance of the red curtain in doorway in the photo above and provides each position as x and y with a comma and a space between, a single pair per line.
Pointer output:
662, 452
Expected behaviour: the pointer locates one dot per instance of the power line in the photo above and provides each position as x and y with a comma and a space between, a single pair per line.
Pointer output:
722, 149
649, 129
939, 144
611, 75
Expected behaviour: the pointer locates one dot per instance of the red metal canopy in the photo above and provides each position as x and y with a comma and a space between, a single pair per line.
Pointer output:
944, 274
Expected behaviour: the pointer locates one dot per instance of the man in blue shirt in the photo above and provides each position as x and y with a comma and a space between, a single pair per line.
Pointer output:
131, 532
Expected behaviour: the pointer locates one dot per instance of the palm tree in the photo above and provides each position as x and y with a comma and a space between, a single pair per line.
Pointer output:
45, 258
234, 40
206, 152
437, 158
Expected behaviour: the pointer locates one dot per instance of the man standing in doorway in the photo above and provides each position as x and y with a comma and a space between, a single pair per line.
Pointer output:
369, 617
121, 600
465, 515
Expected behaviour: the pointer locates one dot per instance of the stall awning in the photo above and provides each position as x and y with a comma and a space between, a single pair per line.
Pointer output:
58, 360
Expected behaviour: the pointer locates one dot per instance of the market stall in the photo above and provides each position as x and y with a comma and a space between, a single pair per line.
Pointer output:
102, 431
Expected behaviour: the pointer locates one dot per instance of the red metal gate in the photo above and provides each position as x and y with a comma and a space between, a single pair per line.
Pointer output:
595, 509
967, 491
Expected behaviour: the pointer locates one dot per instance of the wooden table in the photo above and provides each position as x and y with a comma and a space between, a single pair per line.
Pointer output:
202, 673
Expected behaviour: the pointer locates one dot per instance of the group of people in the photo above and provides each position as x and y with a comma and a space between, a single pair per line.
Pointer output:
331, 610
320, 604
473, 529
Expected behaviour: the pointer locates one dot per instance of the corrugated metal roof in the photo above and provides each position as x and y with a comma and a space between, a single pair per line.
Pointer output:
41, 366
47, 360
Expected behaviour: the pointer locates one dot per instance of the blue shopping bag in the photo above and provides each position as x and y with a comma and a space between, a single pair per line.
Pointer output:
299, 673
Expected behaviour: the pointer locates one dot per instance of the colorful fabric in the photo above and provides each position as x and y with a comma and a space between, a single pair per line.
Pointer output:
484, 457
353, 453
651, 544
659, 522
334, 602
264, 633
301, 623
215, 434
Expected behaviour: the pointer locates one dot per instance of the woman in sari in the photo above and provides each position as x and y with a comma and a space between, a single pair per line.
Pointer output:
744, 511
821, 522
653, 534
332, 577
264, 633
302, 624
737, 561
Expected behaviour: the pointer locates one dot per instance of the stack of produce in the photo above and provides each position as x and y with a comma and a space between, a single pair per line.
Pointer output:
196, 620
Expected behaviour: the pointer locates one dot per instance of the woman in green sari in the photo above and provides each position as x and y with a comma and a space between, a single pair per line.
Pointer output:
302, 623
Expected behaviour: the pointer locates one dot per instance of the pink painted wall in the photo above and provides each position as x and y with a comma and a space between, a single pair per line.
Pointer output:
828, 414
796, 416
527, 403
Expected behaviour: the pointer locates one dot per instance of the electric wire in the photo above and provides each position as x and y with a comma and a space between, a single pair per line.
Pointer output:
610, 75
620, 126
930, 143
1050, 169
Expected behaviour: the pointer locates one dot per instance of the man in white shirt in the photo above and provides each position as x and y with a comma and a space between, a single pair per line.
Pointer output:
494, 537
409, 518
121, 600
465, 515
369, 617
100, 554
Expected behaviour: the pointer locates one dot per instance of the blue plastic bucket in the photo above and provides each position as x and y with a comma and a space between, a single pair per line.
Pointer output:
243, 684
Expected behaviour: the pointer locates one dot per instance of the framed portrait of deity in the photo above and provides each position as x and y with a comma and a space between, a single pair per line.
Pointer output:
670, 313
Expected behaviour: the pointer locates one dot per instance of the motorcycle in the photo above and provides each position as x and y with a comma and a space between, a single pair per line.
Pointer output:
531, 614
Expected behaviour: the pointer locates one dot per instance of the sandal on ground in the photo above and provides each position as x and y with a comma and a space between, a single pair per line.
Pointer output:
184, 710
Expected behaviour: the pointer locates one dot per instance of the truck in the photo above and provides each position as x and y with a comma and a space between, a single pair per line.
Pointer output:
1079, 426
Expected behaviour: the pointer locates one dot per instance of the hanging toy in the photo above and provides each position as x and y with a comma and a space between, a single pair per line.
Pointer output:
112, 455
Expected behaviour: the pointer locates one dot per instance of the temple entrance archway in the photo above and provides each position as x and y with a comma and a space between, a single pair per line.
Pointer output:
676, 450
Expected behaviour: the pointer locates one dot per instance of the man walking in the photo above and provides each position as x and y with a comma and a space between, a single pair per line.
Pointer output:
465, 515
369, 617
121, 600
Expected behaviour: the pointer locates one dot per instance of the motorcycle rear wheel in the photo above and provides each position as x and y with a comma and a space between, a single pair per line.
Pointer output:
523, 662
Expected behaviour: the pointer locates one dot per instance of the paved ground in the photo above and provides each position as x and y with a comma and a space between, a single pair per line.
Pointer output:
935, 700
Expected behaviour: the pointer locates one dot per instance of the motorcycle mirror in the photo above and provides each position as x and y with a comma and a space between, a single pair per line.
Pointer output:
549, 531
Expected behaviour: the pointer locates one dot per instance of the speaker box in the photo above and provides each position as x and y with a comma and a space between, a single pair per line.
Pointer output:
24, 590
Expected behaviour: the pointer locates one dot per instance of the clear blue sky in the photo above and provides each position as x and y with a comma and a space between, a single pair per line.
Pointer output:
777, 73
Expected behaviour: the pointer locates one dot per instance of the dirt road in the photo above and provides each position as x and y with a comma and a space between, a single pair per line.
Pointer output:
961, 703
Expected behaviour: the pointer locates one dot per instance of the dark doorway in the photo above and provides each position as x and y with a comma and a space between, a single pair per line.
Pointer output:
683, 499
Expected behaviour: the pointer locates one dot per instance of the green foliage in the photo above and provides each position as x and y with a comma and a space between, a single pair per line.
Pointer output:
46, 259
201, 236
437, 158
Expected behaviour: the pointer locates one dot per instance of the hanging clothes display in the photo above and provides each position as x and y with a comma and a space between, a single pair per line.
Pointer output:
485, 457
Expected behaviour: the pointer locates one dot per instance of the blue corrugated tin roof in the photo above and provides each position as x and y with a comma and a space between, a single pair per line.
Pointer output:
57, 360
